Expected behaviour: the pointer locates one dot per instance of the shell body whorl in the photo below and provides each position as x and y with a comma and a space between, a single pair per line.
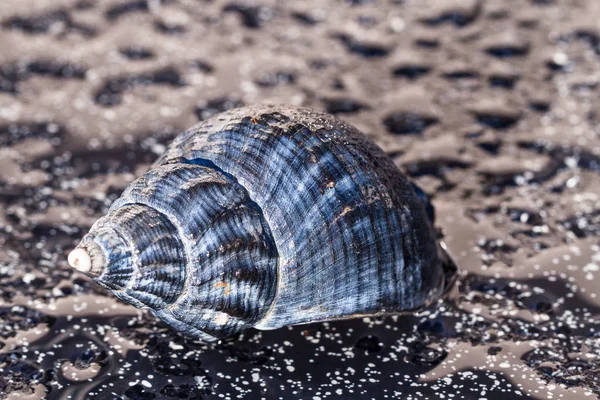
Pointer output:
265, 217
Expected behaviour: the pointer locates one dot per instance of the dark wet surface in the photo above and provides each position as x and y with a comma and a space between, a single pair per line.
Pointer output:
491, 107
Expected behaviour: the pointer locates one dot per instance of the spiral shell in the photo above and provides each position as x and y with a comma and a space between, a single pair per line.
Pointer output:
264, 217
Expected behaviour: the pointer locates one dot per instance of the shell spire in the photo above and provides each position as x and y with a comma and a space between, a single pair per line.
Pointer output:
134, 252
199, 256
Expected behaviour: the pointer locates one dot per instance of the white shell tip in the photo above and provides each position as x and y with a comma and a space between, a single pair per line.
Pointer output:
80, 260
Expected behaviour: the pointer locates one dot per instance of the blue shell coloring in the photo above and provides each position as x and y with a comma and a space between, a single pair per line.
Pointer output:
269, 216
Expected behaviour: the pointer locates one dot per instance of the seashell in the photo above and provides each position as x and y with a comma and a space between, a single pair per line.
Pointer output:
265, 217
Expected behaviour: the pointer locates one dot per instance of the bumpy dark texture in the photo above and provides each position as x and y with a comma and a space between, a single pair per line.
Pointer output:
491, 107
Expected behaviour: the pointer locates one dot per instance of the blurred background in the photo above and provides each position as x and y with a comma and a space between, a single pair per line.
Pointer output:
492, 107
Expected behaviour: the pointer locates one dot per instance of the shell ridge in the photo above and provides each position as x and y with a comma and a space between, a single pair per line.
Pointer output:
182, 296
122, 257
129, 240
135, 254
337, 167
294, 131
220, 215
405, 201
169, 216
150, 268
240, 133
284, 142
126, 291
210, 164
386, 221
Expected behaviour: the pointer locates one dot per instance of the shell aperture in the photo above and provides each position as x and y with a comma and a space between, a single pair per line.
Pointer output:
264, 217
